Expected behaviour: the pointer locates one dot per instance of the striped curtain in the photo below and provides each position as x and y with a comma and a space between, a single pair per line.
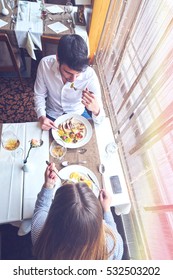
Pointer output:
135, 62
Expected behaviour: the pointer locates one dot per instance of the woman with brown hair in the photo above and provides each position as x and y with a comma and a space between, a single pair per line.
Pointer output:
71, 226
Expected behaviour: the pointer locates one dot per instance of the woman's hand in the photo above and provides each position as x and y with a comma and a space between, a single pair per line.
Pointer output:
50, 176
105, 200
46, 123
90, 102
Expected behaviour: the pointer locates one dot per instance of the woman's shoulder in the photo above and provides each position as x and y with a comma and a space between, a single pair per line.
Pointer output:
118, 242
119, 248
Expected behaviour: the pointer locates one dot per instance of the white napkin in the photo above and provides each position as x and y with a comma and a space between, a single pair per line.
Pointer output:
54, 9
58, 27
2, 23
30, 46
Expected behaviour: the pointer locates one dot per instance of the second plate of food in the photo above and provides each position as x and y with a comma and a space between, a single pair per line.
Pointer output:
79, 173
74, 130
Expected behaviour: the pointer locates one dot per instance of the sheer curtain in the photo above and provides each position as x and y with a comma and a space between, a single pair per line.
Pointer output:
135, 61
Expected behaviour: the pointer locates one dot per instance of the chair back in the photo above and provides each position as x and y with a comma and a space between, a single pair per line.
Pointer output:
49, 45
9, 59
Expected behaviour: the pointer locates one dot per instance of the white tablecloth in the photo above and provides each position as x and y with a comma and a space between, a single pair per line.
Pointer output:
104, 135
18, 189
29, 26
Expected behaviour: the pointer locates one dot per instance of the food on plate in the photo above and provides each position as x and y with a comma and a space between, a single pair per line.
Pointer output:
57, 151
72, 86
71, 130
80, 178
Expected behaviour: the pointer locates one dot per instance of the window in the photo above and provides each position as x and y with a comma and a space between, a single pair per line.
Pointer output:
135, 61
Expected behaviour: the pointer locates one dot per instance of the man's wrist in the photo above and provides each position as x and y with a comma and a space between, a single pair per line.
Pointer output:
41, 118
96, 113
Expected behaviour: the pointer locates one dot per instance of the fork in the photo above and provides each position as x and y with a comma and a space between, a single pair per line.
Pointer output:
12, 23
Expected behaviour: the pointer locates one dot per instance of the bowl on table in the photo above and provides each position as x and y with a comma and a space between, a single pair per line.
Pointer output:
57, 151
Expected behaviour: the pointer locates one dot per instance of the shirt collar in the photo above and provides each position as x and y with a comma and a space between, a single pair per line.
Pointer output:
55, 67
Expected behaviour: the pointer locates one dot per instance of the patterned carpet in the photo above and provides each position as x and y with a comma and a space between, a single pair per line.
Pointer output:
16, 105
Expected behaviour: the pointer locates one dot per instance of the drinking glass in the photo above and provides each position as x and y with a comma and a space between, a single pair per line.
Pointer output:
58, 151
11, 143
68, 8
111, 149
44, 16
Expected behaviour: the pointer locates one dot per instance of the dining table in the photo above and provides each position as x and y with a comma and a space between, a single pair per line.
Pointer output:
25, 31
19, 189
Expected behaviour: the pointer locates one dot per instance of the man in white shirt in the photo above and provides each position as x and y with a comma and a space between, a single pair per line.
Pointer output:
65, 83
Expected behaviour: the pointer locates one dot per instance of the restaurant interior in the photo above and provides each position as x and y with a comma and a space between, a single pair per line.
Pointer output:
130, 48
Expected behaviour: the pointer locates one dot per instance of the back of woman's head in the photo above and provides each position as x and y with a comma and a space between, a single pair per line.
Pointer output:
74, 226
73, 51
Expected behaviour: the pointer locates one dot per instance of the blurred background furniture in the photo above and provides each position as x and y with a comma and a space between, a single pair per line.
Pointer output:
26, 32
10, 61
49, 45
58, 2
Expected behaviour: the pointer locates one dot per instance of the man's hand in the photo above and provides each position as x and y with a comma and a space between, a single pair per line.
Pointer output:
105, 200
46, 123
90, 102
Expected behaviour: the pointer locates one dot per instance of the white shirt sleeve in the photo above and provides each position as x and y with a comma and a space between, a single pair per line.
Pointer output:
94, 86
40, 92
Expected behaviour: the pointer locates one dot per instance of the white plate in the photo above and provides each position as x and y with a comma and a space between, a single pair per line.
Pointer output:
65, 172
80, 143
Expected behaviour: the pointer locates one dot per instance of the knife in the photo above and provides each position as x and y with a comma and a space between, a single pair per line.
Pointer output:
93, 181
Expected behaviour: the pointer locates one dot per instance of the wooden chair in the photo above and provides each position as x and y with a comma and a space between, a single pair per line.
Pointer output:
49, 45
58, 2
10, 58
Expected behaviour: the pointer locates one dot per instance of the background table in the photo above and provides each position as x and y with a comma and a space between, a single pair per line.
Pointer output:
32, 24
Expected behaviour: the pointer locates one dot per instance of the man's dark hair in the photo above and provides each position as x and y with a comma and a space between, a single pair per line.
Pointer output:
73, 51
